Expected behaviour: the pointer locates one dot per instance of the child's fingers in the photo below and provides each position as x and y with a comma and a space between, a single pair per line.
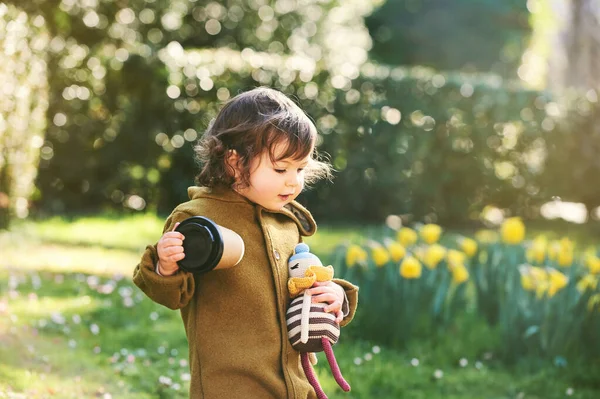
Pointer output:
173, 234
176, 257
320, 289
171, 242
172, 250
339, 316
176, 224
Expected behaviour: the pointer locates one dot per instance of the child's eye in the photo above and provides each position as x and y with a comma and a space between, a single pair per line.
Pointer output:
280, 170
300, 169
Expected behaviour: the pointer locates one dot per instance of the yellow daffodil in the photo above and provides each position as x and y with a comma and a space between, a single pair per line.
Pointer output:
593, 302
537, 252
460, 274
380, 255
565, 258
534, 279
593, 263
557, 282
567, 244
397, 250
513, 230
410, 268
538, 273
468, 246
553, 250
486, 236
527, 282
433, 255
588, 282
455, 257
354, 255
407, 236
430, 233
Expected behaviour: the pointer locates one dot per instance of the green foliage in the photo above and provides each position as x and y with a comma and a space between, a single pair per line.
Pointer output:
440, 34
424, 143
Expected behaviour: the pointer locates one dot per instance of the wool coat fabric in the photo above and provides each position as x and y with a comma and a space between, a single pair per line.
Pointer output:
235, 319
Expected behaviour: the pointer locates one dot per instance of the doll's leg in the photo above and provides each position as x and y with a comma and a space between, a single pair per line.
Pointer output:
310, 375
335, 369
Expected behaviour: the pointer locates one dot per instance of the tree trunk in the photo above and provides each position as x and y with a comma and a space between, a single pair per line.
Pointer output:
576, 57
5, 185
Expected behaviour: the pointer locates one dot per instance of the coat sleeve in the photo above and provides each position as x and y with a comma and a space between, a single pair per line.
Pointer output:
173, 291
352, 300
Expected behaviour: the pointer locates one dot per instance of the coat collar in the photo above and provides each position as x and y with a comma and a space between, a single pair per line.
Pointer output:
293, 210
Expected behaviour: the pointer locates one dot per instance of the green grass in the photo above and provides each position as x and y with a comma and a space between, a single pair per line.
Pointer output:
72, 325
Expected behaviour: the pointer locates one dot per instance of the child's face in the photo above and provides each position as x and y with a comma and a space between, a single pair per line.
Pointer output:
275, 184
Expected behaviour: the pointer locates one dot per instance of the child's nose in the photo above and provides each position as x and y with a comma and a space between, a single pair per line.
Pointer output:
293, 179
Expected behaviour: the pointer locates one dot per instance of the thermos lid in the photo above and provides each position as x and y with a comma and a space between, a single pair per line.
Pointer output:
203, 244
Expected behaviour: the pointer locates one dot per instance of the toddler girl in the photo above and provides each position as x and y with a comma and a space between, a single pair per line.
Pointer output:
255, 158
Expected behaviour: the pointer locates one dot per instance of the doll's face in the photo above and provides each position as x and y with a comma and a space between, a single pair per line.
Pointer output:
297, 267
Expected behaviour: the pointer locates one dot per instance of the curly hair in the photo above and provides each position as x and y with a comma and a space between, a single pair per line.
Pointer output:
251, 123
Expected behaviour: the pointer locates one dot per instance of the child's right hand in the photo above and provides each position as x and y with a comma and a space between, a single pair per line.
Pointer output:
170, 251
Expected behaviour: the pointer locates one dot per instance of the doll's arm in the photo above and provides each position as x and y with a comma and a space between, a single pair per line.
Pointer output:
350, 302
173, 291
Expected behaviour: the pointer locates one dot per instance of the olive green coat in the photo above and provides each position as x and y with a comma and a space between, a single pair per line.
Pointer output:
235, 318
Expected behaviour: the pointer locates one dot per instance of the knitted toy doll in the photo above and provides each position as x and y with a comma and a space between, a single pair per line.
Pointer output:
310, 328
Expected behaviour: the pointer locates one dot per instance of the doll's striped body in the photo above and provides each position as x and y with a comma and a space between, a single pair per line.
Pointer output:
320, 324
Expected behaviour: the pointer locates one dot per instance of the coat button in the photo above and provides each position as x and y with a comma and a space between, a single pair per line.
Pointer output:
276, 254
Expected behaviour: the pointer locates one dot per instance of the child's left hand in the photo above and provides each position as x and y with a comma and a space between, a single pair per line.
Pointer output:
331, 293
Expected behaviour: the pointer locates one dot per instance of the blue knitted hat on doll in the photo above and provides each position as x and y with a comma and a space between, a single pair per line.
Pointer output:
302, 251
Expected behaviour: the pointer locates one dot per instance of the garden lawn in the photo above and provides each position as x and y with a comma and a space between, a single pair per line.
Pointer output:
72, 325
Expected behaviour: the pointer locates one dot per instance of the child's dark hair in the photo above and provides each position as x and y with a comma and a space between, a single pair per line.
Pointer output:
251, 123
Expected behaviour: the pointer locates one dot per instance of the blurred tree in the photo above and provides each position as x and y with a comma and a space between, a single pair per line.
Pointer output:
575, 59
23, 104
573, 142
469, 35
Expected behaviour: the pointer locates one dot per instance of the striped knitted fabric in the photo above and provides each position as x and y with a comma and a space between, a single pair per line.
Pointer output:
321, 324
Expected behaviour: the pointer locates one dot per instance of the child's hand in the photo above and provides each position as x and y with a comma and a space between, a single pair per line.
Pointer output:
170, 250
331, 293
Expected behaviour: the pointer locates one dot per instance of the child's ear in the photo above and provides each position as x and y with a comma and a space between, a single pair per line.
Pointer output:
232, 161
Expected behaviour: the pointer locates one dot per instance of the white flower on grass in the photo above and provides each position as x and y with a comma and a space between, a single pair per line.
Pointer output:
36, 281
463, 362
161, 350
176, 387
570, 391
185, 377
414, 362
57, 318
97, 350
164, 380
76, 319
478, 365
92, 281
128, 302
72, 343
183, 363
357, 361
368, 357
154, 316
376, 349
438, 374
95, 329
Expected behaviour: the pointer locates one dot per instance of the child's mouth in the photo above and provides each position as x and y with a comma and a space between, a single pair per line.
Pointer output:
285, 197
